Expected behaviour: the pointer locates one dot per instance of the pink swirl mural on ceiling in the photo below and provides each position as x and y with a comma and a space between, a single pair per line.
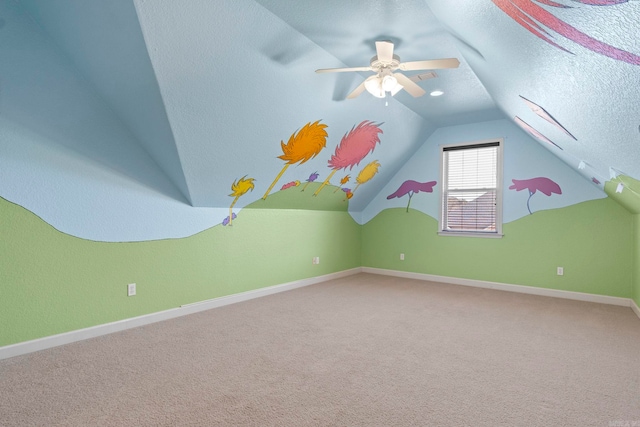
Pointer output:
530, 15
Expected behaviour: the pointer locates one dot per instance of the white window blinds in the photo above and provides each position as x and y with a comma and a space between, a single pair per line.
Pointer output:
470, 188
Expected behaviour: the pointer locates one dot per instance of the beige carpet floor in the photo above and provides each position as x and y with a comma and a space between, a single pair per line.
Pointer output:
365, 350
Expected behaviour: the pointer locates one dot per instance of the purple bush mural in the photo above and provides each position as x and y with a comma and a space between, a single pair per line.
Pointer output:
311, 179
544, 185
411, 187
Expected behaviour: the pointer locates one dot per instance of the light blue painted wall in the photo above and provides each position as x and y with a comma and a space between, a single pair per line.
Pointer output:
104, 42
592, 95
66, 155
524, 158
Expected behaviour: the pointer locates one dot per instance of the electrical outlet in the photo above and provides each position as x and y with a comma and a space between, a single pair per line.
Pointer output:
316, 260
131, 289
401, 257
560, 271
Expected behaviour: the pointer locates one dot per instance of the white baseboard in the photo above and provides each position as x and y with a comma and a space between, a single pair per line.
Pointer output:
121, 325
579, 296
635, 308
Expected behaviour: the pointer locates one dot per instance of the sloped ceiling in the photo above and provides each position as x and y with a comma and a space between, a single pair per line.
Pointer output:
202, 92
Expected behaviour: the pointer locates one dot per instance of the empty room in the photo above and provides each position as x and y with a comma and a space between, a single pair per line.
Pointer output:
319, 213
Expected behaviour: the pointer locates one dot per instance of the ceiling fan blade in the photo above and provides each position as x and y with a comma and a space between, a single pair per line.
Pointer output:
384, 50
343, 70
431, 64
357, 91
413, 89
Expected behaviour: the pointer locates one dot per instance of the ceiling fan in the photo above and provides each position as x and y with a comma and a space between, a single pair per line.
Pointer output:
386, 80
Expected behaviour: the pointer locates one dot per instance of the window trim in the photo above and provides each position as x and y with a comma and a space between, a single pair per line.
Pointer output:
499, 190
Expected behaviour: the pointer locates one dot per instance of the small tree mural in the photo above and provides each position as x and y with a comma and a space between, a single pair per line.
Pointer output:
411, 187
290, 184
354, 146
301, 147
366, 174
343, 181
544, 185
311, 179
239, 188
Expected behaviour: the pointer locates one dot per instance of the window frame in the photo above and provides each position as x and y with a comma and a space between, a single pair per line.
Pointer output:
499, 190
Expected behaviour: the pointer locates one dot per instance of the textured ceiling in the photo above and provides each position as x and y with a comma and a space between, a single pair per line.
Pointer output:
200, 93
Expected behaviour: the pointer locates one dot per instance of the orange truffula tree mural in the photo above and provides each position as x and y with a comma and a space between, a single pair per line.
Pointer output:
343, 181
354, 146
302, 146
238, 188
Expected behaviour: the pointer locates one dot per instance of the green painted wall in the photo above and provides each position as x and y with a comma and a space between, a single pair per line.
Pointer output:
629, 198
630, 195
591, 240
51, 282
636, 264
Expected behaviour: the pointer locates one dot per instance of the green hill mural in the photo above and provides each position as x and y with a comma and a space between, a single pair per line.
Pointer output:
52, 282
591, 240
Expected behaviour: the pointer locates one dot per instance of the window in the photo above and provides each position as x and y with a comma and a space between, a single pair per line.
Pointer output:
471, 189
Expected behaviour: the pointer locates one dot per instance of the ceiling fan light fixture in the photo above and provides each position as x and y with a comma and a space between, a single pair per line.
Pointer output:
396, 89
384, 64
373, 85
389, 83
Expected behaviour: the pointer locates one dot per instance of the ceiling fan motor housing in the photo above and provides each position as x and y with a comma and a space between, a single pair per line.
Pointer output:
379, 65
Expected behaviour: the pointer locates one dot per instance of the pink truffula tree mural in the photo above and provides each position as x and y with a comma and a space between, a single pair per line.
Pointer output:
354, 146
411, 187
534, 17
544, 185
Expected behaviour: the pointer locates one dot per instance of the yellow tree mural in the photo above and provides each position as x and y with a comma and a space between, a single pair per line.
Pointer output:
238, 188
343, 181
366, 174
301, 147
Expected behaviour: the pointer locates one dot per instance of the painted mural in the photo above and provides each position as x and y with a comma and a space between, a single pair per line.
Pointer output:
534, 132
529, 168
343, 181
542, 184
304, 145
411, 187
534, 17
295, 183
354, 146
301, 147
366, 174
546, 116
239, 188
312, 178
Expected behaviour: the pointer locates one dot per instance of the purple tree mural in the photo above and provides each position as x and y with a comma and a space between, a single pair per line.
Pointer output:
544, 185
411, 187
311, 179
